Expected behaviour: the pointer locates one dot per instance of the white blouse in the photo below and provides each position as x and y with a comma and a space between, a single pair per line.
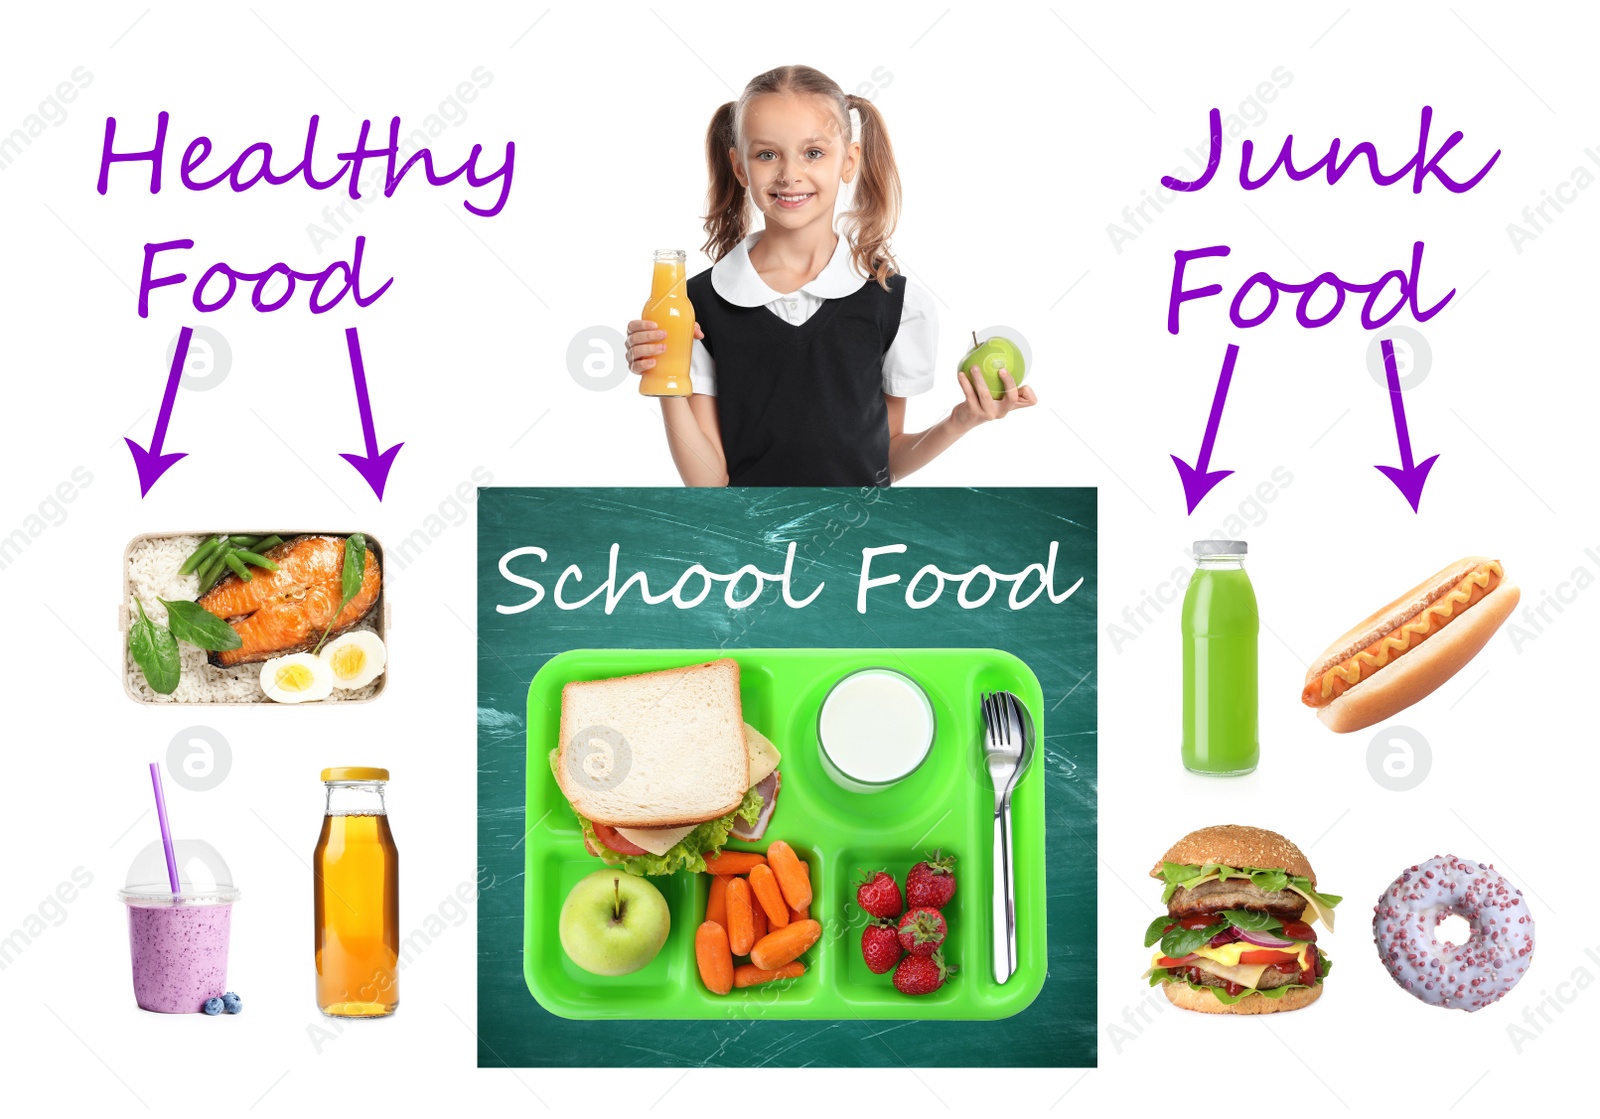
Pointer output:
908, 367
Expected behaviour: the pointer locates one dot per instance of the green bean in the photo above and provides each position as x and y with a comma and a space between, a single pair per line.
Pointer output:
267, 542
198, 557
210, 570
255, 560
238, 566
243, 541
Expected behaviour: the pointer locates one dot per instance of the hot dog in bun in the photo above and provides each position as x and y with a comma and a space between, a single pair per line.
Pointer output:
1407, 649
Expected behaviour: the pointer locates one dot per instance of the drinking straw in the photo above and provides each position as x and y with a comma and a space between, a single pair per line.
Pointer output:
166, 832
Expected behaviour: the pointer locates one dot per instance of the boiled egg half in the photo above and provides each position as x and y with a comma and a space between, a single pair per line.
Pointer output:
355, 659
296, 678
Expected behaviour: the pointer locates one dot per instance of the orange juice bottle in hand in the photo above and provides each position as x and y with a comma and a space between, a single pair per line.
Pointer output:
669, 308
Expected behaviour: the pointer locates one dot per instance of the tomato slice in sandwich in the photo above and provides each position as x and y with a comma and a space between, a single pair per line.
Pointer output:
1168, 961
609, 835
1268, 956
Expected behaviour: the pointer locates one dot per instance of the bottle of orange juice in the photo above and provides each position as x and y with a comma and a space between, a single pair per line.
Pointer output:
357, 898
669, 308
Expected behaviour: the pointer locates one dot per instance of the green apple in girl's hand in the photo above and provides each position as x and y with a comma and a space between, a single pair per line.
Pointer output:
993, 355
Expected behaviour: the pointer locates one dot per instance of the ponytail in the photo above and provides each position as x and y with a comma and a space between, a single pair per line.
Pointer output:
876, 210
727, 216
877, 198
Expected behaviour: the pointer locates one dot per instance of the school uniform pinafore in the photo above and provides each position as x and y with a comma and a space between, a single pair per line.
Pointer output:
802, 405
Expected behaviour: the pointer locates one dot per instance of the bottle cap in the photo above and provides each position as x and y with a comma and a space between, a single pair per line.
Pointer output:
355, 773
1220, 547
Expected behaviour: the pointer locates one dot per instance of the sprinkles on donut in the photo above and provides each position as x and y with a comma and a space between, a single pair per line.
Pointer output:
1237, 935
1469, 976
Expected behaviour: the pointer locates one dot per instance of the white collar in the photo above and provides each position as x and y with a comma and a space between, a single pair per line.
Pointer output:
737, 281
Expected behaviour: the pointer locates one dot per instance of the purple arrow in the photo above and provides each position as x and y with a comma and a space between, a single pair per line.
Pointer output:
374, 467
1197, 480
1409, 477
152, 464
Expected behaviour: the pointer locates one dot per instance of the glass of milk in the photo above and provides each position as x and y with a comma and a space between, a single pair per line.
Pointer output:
876, 727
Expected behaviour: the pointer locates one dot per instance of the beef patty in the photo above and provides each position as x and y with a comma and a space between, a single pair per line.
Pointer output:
1235, 893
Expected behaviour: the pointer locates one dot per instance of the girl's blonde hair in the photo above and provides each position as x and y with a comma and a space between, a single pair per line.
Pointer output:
876, 210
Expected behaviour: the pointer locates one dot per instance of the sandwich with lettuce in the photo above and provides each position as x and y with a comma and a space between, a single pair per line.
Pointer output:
1238, 935
661, 769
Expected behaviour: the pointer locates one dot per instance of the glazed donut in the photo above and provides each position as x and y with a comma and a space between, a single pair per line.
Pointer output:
1469, 976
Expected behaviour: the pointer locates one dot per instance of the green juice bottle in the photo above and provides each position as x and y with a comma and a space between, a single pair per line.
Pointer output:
1220, 628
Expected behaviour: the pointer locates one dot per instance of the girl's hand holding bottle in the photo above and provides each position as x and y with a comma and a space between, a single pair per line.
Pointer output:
645, 342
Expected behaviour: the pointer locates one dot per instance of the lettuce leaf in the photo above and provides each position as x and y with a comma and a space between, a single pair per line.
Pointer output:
1264, 878
689, 853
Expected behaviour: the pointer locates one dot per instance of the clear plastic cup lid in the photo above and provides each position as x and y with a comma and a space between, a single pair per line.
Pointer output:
203, 876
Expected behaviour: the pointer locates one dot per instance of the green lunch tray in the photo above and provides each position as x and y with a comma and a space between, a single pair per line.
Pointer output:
948, 804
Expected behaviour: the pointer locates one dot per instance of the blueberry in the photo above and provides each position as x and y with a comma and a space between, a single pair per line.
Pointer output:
213, 1006
231, 1003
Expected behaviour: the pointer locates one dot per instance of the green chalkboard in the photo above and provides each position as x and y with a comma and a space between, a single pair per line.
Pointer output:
661, 532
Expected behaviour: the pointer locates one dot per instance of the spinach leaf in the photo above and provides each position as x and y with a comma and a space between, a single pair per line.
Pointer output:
1181, 941
1158, 929
1251, 921
155, 651
351, 576
191, 622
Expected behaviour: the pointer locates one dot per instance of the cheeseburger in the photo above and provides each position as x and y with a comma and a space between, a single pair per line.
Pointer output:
1407, 649
1237, 937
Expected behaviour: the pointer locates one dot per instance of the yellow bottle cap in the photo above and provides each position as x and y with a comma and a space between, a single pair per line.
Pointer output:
355, 773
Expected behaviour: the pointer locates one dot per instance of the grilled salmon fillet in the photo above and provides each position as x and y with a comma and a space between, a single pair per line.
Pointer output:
287, 610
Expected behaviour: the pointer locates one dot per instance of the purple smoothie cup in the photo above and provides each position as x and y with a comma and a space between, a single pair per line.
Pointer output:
179, 942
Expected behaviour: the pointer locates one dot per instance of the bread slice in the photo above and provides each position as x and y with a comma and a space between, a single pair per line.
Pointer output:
657, 750
1295, 998
1237, 846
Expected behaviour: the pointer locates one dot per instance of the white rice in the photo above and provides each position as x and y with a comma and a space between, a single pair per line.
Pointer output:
153, 575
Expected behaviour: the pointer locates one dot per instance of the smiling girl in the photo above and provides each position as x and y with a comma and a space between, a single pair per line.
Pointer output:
808, 341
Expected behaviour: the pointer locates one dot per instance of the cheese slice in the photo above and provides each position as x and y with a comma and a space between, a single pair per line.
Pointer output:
1224, 962
1246, 975
764, 758
658, 841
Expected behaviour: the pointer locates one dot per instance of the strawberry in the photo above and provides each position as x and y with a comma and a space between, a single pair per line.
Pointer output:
932, 884
921, 931
921, 975
879, 895
880, 946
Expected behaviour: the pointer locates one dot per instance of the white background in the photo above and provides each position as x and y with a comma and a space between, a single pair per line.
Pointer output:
1021, 135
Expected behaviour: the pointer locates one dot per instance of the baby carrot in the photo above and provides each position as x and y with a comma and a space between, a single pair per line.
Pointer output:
748, 975
734, 862
792, 880
764, 885
715, 960
802, 912
758, 919
741, 922
782, 945
717, 901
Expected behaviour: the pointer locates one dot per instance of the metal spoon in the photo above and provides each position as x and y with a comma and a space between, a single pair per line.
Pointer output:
1008, 748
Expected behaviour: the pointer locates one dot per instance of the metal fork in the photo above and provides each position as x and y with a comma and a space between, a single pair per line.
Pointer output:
1008, 748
